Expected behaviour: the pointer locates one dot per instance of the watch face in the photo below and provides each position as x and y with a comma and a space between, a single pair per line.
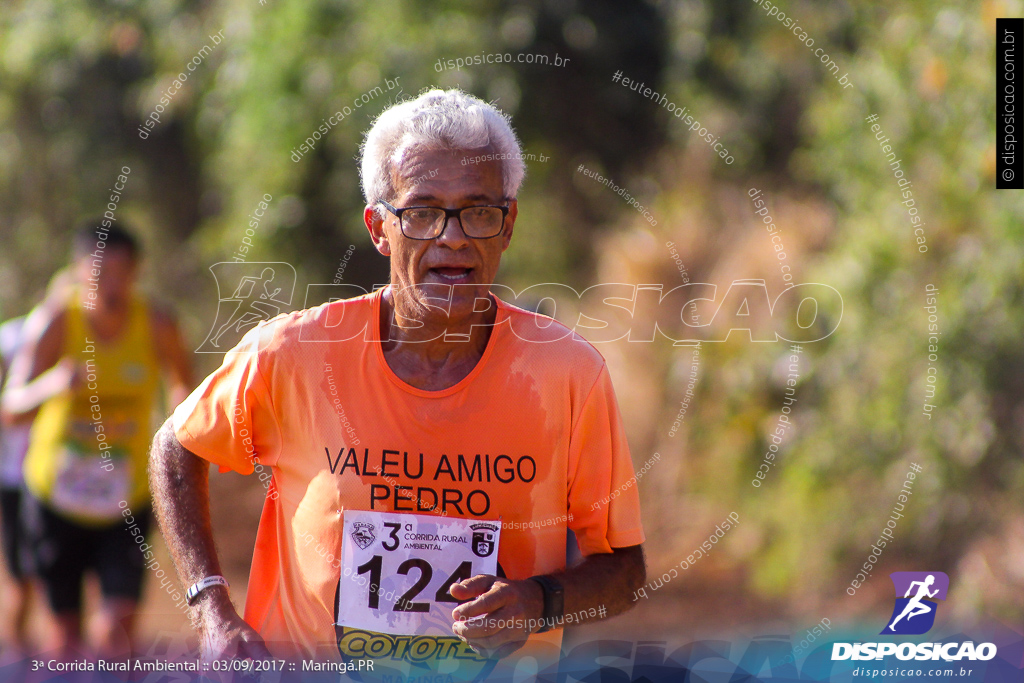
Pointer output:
553, 597
557, 602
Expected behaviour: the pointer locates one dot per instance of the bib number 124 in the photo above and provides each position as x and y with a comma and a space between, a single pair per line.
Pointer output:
407, 602
398, 568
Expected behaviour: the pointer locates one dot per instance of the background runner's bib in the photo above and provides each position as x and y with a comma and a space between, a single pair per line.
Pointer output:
86, 487
396, 569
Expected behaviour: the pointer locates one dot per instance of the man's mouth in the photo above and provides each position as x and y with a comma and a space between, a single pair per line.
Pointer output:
453, 274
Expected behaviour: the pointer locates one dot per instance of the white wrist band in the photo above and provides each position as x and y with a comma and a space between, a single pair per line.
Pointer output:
201, 585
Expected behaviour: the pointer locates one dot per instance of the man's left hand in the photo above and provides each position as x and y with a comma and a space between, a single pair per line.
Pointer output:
500, 614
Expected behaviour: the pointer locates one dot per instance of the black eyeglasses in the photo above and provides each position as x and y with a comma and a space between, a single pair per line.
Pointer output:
429, 222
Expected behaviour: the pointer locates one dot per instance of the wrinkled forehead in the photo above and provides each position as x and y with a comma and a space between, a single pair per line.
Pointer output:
412, 152
436, 168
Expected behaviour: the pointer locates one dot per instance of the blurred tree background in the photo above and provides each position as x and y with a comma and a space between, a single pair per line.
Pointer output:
78, 79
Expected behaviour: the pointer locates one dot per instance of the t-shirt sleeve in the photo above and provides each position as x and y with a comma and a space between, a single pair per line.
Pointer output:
604, 505
229, 419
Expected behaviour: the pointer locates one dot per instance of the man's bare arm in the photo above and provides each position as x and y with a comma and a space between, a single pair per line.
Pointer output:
607, 579
181, 497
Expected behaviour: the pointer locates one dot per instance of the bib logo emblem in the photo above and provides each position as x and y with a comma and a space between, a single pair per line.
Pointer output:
483, 539
362, 534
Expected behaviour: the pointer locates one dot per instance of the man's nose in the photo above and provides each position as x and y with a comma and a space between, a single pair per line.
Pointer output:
453, 235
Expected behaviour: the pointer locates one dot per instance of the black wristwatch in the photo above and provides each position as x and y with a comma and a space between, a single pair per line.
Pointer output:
554, 600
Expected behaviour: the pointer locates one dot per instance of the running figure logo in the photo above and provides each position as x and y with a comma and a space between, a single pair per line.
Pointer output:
259, 291
915, 614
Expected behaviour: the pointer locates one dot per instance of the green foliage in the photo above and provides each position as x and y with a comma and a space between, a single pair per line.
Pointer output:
926, 72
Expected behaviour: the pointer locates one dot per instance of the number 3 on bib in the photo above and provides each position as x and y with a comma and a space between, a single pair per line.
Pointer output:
396, 569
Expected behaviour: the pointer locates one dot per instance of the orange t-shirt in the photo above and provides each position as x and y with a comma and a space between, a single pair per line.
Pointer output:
532, 436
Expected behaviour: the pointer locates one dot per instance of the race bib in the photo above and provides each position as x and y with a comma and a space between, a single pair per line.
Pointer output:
88, 486
396, 569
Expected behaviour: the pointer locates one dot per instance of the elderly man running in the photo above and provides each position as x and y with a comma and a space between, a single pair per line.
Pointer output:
484, 431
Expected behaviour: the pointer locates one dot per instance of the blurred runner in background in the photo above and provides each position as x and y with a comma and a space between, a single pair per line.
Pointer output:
13, 444
91, 366
14, 436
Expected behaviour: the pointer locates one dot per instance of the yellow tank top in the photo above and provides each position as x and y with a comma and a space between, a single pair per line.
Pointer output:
88, 446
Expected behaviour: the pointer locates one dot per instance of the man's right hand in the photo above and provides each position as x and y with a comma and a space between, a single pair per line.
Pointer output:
223, 634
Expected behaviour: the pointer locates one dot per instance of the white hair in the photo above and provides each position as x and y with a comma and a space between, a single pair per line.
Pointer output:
437, 119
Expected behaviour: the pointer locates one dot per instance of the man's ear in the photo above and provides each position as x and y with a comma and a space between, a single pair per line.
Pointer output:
375, 225
510, 222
